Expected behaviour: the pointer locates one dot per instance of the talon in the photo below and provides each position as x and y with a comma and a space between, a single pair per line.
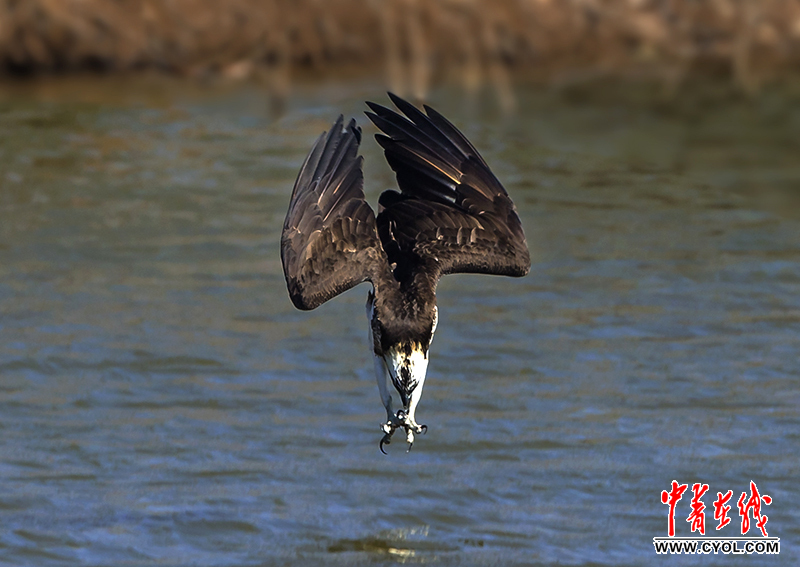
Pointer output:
387, 440
423, 429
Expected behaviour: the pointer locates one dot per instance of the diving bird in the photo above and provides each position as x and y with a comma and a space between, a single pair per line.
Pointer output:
451, 216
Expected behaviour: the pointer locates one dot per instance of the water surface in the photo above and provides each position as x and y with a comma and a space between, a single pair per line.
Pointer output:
162, 403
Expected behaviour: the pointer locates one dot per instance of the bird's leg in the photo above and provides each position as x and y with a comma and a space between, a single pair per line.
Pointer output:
393, 423
382, 377
410, 420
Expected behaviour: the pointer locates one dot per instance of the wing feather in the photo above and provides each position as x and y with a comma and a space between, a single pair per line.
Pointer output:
330, 241
452, 215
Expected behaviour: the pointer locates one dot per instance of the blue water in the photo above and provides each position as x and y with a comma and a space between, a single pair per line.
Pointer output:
162, 403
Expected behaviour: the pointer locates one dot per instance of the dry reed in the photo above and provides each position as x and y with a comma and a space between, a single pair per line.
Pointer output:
473, 41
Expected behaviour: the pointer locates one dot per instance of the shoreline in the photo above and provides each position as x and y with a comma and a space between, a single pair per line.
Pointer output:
414, 44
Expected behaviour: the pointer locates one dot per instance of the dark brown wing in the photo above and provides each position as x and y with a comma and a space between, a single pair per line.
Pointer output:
453, 214
329, 241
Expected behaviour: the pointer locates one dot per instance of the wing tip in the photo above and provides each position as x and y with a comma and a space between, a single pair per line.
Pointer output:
299, 303
398, 101
375, 107
355, 129
524, 265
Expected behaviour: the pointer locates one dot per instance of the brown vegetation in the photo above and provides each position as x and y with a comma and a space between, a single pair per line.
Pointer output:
561, 40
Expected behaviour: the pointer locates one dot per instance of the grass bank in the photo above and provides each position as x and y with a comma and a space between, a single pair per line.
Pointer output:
412, 41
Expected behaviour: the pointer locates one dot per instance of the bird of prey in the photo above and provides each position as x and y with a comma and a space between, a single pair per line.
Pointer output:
451, 216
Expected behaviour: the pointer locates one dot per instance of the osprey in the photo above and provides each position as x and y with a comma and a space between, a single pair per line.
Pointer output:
451, 216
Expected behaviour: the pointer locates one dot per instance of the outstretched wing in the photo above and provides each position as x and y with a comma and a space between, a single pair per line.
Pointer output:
453, 215
329, 241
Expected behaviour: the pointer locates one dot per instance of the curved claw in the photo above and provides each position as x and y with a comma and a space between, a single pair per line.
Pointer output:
424, 429
387, 440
